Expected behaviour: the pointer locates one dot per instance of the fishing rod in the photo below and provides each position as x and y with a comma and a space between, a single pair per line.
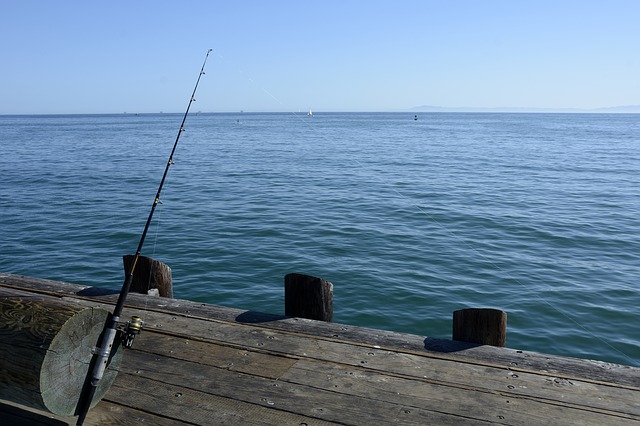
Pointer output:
111, 330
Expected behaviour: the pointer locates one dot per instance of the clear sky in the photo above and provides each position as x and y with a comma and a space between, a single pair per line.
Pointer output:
345, 55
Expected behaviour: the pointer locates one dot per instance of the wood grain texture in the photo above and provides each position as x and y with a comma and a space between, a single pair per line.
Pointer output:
45, 349
517, 360
201, 364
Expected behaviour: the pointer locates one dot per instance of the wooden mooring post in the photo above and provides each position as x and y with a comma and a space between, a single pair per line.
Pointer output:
308, 297
150, 276
483, 326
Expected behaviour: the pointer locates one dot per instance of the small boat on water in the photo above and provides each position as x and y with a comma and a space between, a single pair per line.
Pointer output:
310, 114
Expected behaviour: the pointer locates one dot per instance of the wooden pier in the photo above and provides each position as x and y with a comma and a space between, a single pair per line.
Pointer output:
199, 364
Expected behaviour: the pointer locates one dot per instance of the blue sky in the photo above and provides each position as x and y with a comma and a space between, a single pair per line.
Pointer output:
144, 56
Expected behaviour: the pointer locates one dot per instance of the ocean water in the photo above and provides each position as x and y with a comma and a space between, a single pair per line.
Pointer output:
534, 214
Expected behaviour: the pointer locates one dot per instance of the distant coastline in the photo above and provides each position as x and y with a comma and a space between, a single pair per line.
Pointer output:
623, 109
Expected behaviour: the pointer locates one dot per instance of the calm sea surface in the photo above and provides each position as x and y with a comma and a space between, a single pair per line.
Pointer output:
534, 214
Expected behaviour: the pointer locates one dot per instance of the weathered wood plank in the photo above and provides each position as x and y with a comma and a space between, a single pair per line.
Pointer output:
187, 405
488, 379
414, 393
104, 414
569, 368
276, 395
330, 371
483, 378
107, 413
489, 406
560, 366
556, 365
510, 381
12, 413
233, 359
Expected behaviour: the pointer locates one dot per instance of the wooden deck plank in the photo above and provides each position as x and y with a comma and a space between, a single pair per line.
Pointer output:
233, 359
180, 404
491, 407
534, 393
276, 395
570, 368
202, 364
505, 380
106, 413
103, 414
16, 414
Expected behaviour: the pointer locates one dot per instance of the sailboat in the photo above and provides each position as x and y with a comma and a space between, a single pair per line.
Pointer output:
310, 114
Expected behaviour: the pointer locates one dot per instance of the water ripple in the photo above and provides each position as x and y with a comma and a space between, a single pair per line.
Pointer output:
535, 214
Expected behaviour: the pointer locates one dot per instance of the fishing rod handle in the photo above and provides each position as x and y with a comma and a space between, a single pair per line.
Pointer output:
101, 362
105, 351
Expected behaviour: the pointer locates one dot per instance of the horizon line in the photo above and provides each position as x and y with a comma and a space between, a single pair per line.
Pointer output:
420, 109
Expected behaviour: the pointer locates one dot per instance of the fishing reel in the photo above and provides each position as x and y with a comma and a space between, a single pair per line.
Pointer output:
130, 330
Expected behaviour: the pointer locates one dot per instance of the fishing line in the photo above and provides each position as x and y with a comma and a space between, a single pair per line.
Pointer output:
450, 233
167, 188
111, 329
263, 89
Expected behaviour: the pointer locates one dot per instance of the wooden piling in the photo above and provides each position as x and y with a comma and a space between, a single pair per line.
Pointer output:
149, 275
45, 350
483, 326
308, 297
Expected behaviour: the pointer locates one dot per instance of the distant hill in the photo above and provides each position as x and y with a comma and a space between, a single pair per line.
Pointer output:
624, 108
614, 109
